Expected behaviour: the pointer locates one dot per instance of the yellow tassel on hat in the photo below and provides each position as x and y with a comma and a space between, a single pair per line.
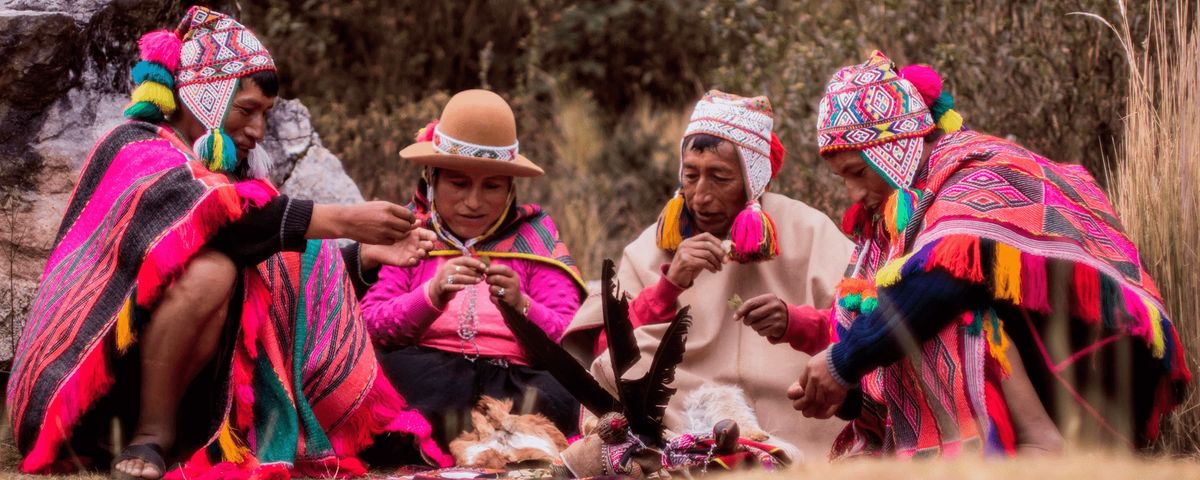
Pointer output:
156, 93
951, 121
669, 235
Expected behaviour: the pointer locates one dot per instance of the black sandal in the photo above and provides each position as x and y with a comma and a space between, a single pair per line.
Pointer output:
146, 452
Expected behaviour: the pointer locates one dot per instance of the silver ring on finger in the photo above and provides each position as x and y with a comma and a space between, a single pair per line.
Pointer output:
450, 279
501, 292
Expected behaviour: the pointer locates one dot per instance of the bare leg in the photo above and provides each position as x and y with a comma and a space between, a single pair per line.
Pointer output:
182, 336
1035, 431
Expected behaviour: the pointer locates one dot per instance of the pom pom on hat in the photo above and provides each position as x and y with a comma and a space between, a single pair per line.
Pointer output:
753, 235
926, 80
425, 134
162, 47
778, 152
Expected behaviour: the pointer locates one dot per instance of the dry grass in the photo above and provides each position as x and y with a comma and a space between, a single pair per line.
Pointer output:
1157, 173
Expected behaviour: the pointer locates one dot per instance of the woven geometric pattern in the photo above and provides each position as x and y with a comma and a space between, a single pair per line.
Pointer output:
869, 105
747, 123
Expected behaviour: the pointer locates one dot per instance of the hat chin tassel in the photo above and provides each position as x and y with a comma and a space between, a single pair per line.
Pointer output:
217, 151
670, 231
753, 235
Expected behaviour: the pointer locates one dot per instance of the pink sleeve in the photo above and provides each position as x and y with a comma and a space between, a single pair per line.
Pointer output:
807, 330
654, 304
553, 296
397, 310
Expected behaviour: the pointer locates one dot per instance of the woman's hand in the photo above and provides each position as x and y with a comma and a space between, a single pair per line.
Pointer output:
505, 286
375, 223
454, 276
404, 253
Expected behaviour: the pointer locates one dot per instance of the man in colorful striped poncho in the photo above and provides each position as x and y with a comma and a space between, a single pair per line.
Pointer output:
189, 303
993, 296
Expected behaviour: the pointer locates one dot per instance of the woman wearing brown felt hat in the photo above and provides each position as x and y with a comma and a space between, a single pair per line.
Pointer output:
442, 339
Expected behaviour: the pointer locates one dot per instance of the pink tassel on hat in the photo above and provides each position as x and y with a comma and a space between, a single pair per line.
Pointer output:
425, 134
927, 81
162, 47
753, 235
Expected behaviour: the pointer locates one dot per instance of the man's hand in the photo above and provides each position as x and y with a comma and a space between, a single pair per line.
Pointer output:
816, 394
375, 223
404, 253
766, 314
696, 254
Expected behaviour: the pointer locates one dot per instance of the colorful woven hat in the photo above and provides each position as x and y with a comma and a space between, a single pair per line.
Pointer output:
203, 61
477, 132
746, 123
870, 108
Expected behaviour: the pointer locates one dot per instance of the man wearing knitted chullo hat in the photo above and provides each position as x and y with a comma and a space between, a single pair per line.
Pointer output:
993, 296
783, 257
189, 305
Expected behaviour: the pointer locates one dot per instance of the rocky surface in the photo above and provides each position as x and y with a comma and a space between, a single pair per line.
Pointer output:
64, 67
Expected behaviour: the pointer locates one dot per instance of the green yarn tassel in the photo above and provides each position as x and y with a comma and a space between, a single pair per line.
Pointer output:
144, 111
943, 104
869, 304
975, 328
217, 151
906, 203
851, 302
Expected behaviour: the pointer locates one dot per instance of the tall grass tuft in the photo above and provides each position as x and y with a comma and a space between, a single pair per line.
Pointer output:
1155, 180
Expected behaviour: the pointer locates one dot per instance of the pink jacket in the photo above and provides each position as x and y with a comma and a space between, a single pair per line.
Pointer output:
398, 311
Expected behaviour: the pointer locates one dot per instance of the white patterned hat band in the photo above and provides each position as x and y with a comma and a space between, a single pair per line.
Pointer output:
448, 145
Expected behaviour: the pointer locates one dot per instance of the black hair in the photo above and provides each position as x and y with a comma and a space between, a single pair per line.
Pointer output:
267, 81
703, 142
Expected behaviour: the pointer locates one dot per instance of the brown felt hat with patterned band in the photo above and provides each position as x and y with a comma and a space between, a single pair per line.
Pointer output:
476, 133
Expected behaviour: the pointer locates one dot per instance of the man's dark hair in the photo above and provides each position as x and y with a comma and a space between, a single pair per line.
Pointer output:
267, 81
703, 142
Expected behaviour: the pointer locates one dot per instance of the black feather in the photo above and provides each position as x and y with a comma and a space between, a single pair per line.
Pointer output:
548, 355
646, 399
622, 346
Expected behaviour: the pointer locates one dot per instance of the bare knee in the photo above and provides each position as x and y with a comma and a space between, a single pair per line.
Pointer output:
205, 285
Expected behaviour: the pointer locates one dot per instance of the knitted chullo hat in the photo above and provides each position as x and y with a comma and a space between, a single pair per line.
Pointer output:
202, 61
884, 114
746, 123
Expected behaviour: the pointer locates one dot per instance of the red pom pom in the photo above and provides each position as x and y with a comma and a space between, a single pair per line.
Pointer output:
425, 134
926, 79
162, 47
778, 152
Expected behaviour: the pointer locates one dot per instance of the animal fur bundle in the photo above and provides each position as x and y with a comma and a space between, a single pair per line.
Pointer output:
501, 438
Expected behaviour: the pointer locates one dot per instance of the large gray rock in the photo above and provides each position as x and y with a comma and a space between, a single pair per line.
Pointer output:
64, 68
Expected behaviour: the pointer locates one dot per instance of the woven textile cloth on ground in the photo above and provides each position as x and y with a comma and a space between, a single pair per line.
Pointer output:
141, 209
1001, 217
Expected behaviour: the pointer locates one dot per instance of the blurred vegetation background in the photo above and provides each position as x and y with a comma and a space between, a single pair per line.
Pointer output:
602, 89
